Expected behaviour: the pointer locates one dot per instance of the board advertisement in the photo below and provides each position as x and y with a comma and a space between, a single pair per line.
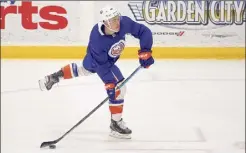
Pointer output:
180, 29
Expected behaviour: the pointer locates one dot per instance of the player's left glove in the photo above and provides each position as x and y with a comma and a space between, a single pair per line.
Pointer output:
145, 58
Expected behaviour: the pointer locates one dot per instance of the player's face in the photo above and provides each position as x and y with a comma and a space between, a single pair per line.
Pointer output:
114, 23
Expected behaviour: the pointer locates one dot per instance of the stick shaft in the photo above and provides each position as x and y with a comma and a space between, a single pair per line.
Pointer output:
98, 106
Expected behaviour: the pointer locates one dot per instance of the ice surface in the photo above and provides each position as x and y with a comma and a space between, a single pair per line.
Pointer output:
176, 106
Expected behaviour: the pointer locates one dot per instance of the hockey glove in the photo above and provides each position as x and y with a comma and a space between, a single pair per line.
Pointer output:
113, 94
145, 58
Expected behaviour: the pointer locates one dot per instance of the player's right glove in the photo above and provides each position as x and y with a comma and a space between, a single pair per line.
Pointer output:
145, 58
113, 93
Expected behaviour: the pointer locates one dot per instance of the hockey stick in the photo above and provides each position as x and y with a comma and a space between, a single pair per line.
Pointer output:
50, 143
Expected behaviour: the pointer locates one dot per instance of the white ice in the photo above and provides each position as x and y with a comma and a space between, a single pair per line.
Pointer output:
176, 106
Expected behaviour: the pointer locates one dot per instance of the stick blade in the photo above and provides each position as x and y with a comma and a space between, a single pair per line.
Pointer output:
48, 143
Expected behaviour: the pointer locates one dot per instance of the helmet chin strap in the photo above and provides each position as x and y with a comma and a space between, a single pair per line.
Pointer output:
109, 27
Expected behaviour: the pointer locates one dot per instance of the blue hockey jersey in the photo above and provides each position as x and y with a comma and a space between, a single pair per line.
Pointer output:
104, 50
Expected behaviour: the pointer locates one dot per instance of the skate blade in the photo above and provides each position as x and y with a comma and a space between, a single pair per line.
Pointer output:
119, 136
41, 83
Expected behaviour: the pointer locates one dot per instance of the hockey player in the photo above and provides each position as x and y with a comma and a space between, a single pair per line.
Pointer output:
106, 43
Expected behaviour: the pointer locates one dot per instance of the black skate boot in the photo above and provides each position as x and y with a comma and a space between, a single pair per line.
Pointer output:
50, 80
119, 130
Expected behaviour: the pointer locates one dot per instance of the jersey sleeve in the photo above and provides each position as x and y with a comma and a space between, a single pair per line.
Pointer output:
140, 31
102, 63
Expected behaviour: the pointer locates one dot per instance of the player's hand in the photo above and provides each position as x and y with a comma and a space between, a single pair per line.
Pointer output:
145, 58
112, 93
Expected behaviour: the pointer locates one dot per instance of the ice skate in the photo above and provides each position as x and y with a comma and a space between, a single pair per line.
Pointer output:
48, 82
119, 130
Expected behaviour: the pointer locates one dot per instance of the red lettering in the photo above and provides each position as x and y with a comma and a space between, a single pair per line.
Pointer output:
45, 14
181, 33
26, 10
4, 12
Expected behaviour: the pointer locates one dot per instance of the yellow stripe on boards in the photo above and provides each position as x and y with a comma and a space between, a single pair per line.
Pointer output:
78, 52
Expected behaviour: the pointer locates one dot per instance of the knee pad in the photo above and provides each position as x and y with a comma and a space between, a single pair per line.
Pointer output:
121, 92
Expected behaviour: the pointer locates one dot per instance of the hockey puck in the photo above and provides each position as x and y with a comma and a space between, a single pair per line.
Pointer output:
52, 146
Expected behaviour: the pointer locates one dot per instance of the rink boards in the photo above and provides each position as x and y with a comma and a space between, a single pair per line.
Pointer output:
78, 52
66, 35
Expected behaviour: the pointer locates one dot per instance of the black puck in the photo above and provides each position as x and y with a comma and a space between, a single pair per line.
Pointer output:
52, 146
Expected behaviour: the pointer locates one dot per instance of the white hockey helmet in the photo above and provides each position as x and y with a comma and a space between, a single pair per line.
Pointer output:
107, 13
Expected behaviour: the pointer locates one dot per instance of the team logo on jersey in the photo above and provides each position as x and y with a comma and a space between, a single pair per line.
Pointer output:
117, 49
